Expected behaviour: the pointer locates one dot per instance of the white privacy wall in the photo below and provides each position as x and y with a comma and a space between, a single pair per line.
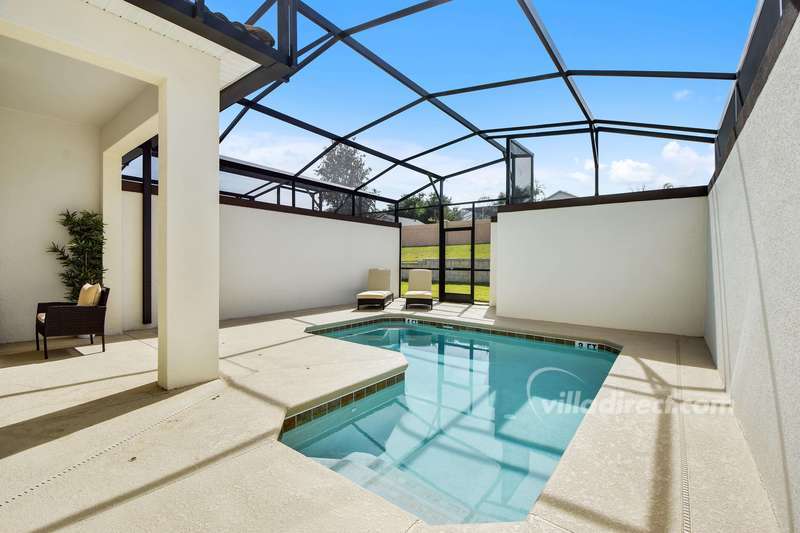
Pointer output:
637, 265
272, 261
46, 165
753, 326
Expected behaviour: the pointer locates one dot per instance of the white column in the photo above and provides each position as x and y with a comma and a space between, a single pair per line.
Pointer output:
112, 251
188, 246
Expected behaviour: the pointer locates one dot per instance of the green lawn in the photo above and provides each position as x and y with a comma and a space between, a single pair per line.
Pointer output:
481, 291
454, 251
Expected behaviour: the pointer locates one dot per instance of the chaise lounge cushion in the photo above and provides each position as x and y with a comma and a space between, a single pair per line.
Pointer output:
40, 317
89, 295
373, 295
420, 295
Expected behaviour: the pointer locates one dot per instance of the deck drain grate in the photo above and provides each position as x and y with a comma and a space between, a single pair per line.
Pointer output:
686, 510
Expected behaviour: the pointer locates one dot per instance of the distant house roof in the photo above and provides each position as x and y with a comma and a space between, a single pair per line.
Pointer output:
560, 195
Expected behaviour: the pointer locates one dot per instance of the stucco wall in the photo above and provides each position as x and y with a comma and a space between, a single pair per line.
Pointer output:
273, 261
270, 261
637, 265
754, 289
47, 165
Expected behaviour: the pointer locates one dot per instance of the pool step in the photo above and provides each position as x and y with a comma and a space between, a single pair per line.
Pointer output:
402, 488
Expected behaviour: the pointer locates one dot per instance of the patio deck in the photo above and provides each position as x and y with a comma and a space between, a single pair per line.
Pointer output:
88, 440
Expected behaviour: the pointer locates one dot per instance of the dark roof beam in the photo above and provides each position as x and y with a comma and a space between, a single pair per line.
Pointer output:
324, 133
329, 26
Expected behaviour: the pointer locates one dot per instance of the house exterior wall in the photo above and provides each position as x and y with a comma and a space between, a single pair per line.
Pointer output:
48, 165
188, 81
636, 265
270, 261
753, 324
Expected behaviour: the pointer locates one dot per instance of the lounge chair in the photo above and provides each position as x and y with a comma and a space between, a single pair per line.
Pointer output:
378, 292
87, 316
419, 291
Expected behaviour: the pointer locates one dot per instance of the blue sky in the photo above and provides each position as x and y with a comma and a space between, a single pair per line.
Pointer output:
467, 42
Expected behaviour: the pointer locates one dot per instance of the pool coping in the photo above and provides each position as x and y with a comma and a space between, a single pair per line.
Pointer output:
599, 344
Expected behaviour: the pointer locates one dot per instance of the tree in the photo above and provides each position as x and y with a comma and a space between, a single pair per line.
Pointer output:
425, 208
344, 165
523, 194
487, 209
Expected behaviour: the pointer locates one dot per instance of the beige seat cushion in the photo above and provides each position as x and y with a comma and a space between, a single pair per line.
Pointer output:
420, 280
378, 279
40, 317
373, 295
89, 295
419, 295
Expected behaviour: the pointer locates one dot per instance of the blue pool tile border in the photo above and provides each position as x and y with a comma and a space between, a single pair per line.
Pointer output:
312, 413
601, 346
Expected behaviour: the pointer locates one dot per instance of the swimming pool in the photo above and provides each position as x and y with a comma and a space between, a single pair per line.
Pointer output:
473, 432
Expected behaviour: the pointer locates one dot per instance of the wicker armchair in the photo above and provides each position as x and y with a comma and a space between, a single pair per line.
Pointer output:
65, 318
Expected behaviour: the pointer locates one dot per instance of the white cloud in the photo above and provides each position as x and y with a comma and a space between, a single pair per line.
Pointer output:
680, 96
685, 162
588, 164
283, 152
632, 171
678, 164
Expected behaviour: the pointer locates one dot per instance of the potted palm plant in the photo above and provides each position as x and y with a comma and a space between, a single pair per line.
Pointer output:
82, 256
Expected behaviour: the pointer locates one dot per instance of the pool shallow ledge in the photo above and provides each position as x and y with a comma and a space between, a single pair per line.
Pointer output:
330, 372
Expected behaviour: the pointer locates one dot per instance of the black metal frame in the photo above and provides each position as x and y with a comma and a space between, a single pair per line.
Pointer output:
278, 66
289, 54
473, 206
147, 233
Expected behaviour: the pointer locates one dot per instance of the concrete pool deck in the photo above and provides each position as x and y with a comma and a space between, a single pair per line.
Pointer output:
88, 441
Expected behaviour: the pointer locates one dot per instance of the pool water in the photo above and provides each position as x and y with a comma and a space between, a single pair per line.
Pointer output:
474, 431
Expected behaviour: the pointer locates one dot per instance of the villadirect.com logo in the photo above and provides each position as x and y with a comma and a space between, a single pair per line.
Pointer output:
569, 401
619, 400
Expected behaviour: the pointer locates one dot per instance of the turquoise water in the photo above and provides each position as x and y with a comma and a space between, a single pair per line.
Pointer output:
469, 436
